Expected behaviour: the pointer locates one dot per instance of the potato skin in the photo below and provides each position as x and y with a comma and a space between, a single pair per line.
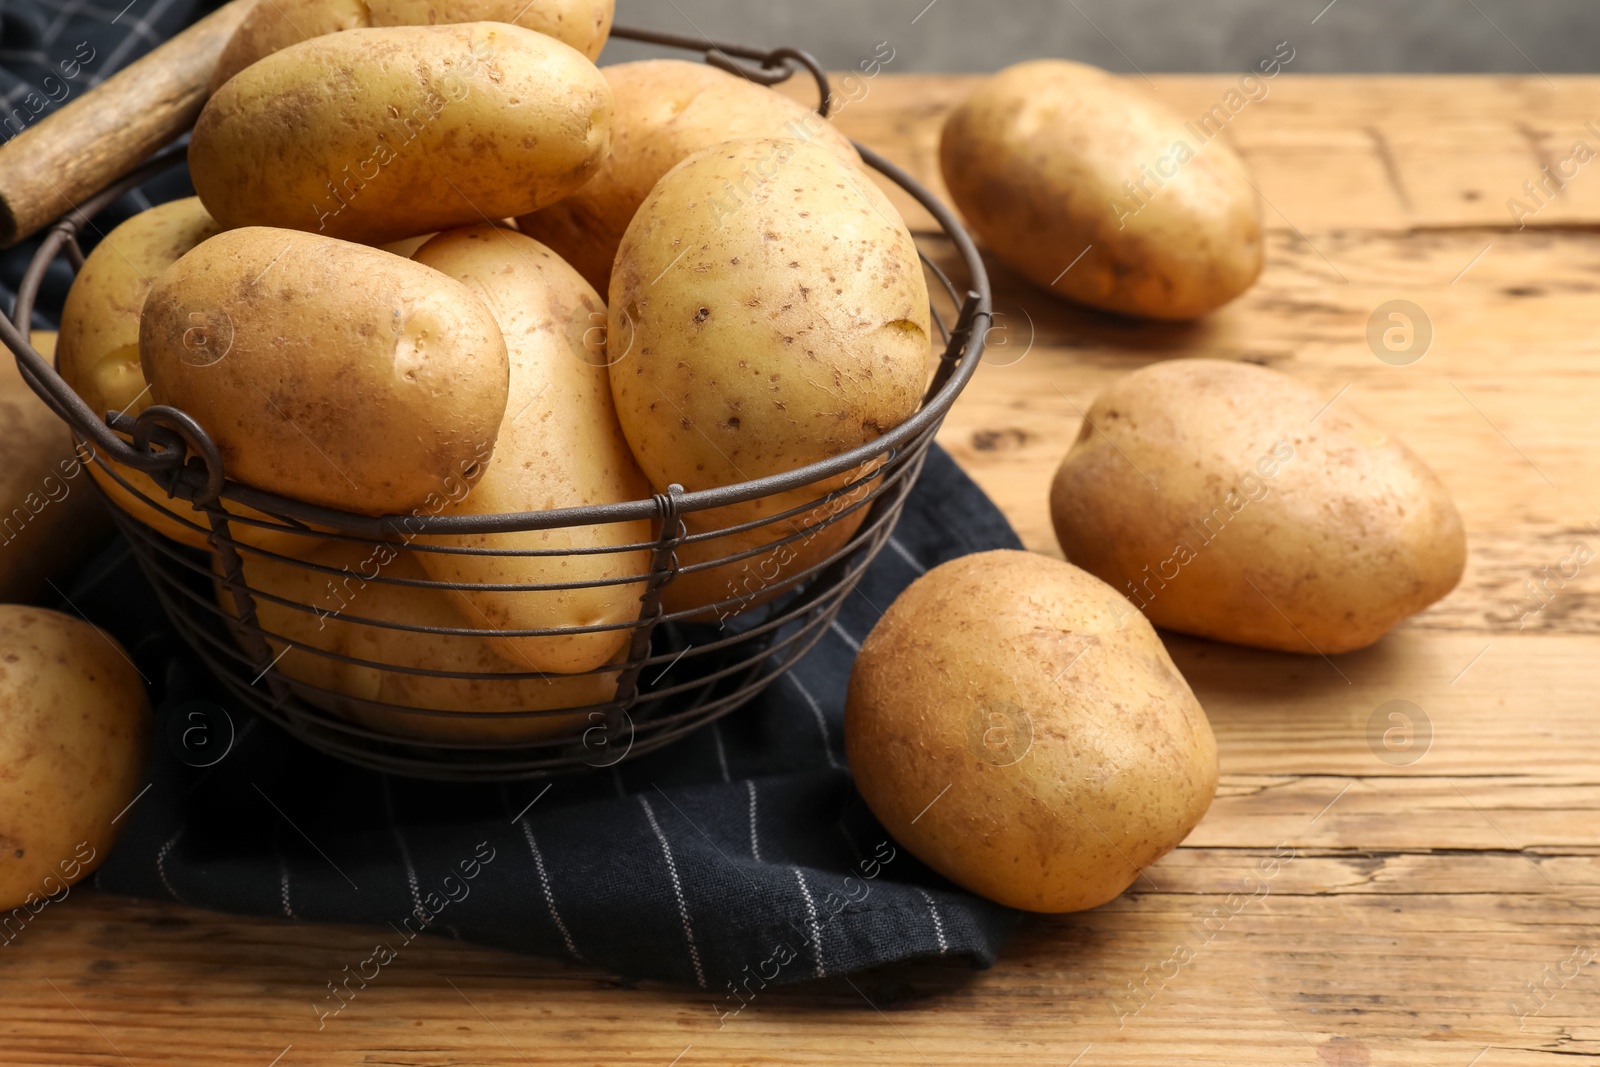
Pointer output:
559, 446
665, 110
1037, 726
372, 135
1036, 159
97, 354
334, 373
1339, 527
275, 24
352, 689
49, 517
74, 720
751, 334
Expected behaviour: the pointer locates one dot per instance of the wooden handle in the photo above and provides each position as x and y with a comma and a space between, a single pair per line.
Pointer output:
73, 153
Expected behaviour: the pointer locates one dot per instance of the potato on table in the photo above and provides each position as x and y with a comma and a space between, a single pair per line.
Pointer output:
665, 110
326, 371
377, 134
1051, 160
1018, 727
97, 354
559, 446
753, 332
1231, 501
73, 726
275, 24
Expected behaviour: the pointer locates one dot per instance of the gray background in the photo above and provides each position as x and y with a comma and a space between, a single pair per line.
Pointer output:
1502, 36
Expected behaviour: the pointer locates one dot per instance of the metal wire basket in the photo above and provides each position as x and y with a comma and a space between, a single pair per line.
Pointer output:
681, 668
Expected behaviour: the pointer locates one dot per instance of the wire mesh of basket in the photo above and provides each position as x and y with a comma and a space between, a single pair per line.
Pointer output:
322, 620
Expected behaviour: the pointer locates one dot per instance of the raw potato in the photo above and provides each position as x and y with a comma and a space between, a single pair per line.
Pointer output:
352, 690
1018, 727
73, 724
665, 111
754, 335
97, 354
1268, 528
329, 372
49, 517
275, 24
789, 548
559, 447
1036, 159
377, 134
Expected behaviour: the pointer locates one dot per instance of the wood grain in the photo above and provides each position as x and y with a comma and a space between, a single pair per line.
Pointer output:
1409, 905
73, 153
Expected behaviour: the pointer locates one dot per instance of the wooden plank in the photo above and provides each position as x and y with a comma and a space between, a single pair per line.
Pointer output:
1327, 151
1409, 904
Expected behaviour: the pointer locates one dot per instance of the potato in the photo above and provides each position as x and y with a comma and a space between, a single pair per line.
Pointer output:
782, 551
664, 111
49, 517
274, 24
1021, 730
329, 372
1050, 159
73, 726
1224, 501
558, 447
98, 356
377, 134
752, 333
332, 626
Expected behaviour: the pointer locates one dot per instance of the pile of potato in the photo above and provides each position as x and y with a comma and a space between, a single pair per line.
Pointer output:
383, 300
387, 299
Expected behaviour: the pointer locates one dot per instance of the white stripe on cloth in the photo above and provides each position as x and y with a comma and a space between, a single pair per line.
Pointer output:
161, 864
901, 551
938, 923
811, 920
420, 913
677, 890
855, 646
549, 897
755, 840
283, 869
816, 709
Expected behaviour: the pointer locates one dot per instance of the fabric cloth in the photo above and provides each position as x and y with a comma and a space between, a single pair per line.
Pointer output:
741, 854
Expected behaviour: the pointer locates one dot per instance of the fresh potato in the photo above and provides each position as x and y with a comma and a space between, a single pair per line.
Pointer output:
782, 551
333, 624
1051, 159
275, 24
49, 517
97, 354
377, 134
1230, 501
558, 447
1018, 727
73, 725
757, 328
330, 372
664, 111
752, 333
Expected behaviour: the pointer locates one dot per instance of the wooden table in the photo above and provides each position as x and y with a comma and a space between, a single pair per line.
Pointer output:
1414, 903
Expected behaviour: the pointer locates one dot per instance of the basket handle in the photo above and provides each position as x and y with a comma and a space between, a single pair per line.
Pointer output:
74, 152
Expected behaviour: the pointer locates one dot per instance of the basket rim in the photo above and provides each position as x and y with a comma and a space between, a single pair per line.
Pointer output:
203, 476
